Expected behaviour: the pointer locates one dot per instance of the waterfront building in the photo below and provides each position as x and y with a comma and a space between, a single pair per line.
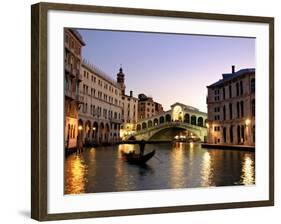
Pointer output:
129, 107
73, 44
231, 108
147, 107
100, 115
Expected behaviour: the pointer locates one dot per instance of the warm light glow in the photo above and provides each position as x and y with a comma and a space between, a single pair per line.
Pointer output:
94, 128
248, 121
80, 127
207, 125
176, 137
206, 170
248, 171
76, 170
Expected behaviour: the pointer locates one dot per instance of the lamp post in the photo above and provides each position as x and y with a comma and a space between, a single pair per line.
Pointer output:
94, 134
80, 128
247, 122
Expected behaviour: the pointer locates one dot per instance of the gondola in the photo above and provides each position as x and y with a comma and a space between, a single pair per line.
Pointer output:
135, 158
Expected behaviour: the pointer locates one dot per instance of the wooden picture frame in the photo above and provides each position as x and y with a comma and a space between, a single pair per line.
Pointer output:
39, 108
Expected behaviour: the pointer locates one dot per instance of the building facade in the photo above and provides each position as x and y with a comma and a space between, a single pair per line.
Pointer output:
231, 108
129, 107
73, 44
100, 115
147, 107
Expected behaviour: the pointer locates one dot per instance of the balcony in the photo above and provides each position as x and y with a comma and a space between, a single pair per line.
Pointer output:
78, 75
69, 94
79, 98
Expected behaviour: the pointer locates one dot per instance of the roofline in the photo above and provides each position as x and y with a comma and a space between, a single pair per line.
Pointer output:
77, 35
222, 81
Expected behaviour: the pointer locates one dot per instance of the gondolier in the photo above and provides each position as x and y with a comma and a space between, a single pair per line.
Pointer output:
142, 145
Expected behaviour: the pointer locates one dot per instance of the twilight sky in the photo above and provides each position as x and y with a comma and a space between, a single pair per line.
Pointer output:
169, 67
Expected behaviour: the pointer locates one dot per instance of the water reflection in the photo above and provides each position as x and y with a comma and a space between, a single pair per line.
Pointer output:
248, 171
179, 165
76, 170
206, 170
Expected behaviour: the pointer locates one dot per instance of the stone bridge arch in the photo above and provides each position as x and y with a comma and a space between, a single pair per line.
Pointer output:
147, 134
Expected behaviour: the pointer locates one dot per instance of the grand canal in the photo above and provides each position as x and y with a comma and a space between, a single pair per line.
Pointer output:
176, 165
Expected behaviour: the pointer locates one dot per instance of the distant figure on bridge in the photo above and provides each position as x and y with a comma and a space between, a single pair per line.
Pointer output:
142, 145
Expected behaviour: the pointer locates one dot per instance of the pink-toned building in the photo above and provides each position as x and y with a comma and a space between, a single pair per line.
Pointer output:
231, 108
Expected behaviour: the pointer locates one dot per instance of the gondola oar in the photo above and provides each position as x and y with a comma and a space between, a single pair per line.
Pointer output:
156, 157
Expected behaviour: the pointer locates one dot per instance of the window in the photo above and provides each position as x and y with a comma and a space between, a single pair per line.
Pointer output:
237, 89
253, 107
230, 91
241, 87
253, 85
223, 93
224, 134
224, 113
242, 108
230, 111
238, 110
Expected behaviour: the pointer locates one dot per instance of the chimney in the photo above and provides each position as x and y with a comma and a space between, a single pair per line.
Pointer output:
131, 93
233, 69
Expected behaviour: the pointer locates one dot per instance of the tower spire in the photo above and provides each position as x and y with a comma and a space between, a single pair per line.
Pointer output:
121, 79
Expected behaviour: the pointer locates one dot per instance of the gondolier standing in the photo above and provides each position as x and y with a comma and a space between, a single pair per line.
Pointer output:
141, 145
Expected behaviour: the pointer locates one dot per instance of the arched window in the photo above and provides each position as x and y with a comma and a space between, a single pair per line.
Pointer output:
168, 118
193, 119
149, 124
186, 118
155, 122
200, 121
162, 120
138, 127
143, 125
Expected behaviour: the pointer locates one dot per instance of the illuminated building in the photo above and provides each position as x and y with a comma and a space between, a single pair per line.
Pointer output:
73, 44
231, 108
147, 107
100, 115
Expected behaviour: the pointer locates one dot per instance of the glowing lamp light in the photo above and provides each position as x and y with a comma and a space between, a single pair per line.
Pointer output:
207, 125
94, 128
248, 121
80, 128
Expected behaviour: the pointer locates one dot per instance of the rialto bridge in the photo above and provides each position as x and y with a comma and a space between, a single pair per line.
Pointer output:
166, 125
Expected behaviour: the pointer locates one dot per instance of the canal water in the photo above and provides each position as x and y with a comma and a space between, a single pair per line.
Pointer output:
175, 165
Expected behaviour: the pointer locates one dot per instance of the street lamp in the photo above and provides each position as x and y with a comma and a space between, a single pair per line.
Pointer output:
80, 127
247, 122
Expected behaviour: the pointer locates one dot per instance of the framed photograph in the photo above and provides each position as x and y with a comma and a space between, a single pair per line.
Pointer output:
140, 111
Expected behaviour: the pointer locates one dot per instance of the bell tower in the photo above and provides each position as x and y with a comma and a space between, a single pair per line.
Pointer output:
121, 80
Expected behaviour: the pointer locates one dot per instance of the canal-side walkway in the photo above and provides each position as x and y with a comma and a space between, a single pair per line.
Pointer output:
227, 146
